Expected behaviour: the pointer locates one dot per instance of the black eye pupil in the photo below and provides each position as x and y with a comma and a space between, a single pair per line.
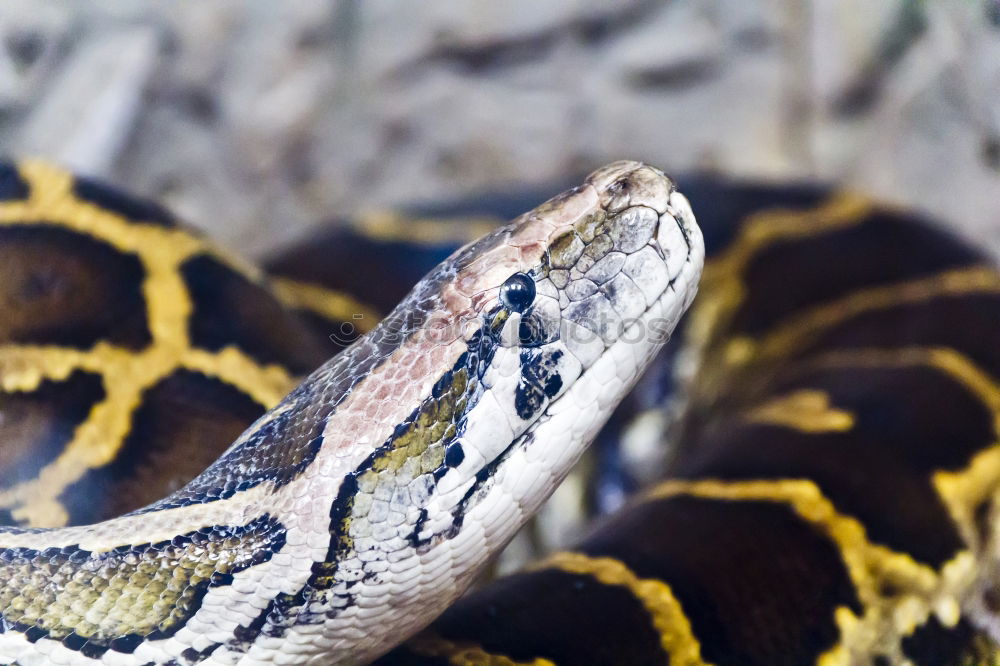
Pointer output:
526, 333
518, 292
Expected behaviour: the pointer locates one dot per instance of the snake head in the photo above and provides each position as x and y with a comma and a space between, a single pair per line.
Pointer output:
513, 352
602, 271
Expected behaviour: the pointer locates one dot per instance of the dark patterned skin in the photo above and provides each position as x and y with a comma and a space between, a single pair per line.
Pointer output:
825, 464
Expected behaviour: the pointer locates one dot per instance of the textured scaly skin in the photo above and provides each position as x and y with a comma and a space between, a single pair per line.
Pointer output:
350, 515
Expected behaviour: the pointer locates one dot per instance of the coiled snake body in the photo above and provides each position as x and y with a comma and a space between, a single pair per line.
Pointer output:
830, 497
362, 505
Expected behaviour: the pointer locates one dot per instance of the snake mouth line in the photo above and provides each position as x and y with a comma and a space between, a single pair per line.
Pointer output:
639, 329
689, 270
486, 476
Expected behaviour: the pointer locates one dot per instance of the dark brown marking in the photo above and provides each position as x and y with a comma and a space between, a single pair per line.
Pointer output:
184, 423
958, 322
757, 583
723, 205
405, 656
991, 599
934, 644
887, 248
880, 470
275, 452
12, 186
564, 617
134, 209
229, 309
58, 287
344, 260
36, 426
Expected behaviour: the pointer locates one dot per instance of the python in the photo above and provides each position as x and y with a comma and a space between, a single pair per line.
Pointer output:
357, 509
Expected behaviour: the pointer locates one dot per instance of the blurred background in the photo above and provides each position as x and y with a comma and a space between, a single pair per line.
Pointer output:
258, 121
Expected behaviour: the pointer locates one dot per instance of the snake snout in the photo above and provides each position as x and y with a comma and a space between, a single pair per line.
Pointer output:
674, 236
632, 191
627, 184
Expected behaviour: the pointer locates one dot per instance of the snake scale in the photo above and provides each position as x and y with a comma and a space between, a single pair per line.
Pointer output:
830, 497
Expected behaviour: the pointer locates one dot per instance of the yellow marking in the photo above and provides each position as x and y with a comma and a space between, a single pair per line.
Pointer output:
898, 593
23, 368
808, 411
919, 591
964, 490
798, 330
722, 280
722, 289
880, 629
266, 384
391, 226
984, 651
961, 492
327, 303
464, 654
867, 563
946, 360
126, 374
676, 636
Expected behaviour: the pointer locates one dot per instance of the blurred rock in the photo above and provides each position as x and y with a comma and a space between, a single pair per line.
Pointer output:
84, 117
259, 120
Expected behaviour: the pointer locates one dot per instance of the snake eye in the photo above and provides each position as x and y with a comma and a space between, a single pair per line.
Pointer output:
518, 292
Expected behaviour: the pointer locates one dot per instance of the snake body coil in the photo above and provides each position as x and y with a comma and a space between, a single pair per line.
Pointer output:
351, 514
831, 498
